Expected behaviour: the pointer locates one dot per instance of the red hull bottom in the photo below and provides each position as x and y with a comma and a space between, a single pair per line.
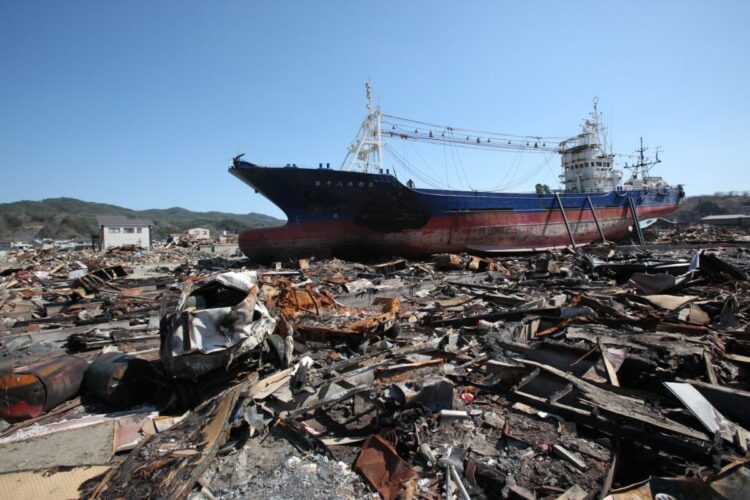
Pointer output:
463, 232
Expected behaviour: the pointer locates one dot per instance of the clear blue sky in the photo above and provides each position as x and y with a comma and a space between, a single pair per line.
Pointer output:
142, 103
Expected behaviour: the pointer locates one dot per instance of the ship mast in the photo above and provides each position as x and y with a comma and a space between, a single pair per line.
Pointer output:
365, 152
598, 128
643, 167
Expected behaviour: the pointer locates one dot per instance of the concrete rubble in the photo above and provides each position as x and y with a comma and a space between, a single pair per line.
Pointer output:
605, 372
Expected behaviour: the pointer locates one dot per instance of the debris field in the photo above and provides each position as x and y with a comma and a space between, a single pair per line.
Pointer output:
618, 372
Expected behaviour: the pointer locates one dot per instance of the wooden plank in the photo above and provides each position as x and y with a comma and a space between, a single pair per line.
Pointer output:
339, 441
607, 485
562, 452
625, 407
611, 373
710, 373
270, 384
738, 358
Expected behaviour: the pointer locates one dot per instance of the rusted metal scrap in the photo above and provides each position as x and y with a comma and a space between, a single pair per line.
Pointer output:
547, 371
372, 322
379, 463
213, 325
121, 380
291, 301
315, 315
40, 386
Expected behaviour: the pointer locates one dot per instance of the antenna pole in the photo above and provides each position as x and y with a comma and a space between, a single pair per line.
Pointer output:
368, 90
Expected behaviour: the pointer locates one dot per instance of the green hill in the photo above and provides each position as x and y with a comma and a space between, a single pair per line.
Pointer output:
693, 208
63, 218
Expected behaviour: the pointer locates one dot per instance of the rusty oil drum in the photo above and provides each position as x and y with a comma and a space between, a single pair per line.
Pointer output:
39, 387
121, 380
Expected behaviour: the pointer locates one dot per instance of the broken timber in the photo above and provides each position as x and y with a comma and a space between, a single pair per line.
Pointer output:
168, 464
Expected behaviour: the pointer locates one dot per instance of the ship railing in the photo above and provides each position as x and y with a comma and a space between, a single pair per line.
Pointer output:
294, 165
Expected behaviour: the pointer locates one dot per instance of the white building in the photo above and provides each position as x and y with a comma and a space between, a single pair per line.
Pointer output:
118, 230
198, 232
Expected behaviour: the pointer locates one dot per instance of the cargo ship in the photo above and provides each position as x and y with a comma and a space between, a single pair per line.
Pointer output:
362, 210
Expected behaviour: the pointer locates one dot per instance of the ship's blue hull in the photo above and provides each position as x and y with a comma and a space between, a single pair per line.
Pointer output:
345, 212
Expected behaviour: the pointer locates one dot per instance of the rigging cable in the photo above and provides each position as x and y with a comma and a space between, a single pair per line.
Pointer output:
462, 171
425, 178
386, 118
447, 137
528, 176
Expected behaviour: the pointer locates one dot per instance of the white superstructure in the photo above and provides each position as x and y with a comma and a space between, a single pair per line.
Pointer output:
588, 165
